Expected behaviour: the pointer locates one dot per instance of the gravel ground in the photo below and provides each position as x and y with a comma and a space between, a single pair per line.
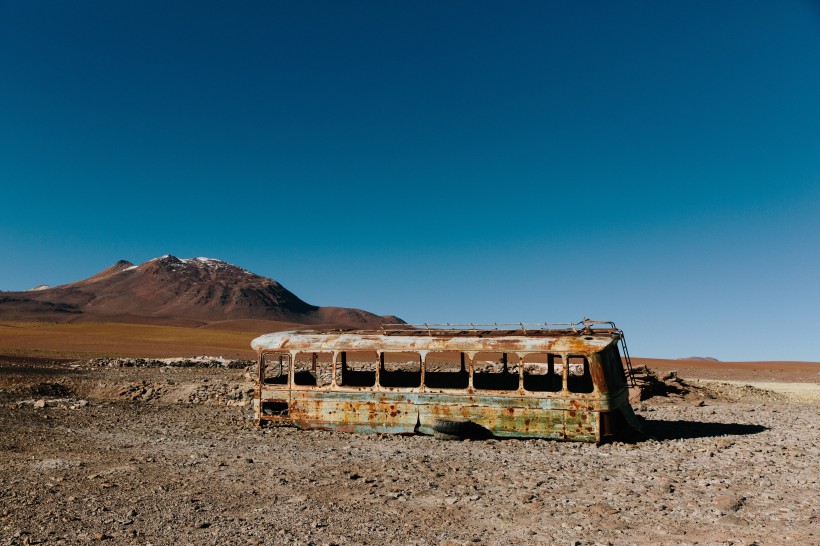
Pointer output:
102, 462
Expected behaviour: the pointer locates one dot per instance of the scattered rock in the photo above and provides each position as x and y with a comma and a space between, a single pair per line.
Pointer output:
729, 503
166, 472
732, 519
183, 362
54, 464
602, 509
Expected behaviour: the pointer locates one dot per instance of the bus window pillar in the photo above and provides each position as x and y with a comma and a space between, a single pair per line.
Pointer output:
469, 369
565, 372
423, 365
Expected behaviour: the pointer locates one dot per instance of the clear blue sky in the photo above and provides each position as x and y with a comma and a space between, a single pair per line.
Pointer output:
652, 163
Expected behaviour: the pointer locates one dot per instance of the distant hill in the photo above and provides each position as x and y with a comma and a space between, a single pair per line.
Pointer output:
170, 290
700, 358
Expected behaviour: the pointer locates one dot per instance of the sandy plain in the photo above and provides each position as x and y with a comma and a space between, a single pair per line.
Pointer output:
170, 455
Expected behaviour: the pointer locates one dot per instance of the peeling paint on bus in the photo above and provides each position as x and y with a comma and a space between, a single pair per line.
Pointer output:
601, 413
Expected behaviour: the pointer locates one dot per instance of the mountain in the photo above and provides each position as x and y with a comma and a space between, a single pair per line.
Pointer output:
170, 290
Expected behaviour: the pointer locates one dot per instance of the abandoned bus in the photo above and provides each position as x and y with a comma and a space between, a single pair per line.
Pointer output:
565, 382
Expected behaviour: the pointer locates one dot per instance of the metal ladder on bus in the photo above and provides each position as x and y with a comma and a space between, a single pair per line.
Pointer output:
628, 360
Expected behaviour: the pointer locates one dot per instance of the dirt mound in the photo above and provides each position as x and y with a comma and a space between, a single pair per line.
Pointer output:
649, 384
669, 385
737, 393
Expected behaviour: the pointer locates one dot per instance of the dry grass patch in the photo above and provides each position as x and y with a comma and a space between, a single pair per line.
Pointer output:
92, 339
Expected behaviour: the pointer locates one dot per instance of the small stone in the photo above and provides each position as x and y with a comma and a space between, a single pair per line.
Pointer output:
729, 503
602, 509
732, 519
40, 403
525, 496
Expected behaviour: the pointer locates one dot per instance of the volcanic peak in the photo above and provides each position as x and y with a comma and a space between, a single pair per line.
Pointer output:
171, 288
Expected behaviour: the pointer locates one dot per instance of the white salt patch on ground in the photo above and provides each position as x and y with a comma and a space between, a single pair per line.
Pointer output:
797, 391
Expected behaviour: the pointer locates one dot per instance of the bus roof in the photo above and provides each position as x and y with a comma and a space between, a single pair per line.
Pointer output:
417, 340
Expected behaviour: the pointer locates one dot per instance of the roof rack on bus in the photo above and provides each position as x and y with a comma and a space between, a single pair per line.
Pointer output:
585, 325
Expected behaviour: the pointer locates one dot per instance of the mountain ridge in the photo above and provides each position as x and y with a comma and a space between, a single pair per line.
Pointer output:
168, 289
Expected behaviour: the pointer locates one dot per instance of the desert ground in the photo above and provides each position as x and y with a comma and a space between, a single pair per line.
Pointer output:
92, 339
138, 452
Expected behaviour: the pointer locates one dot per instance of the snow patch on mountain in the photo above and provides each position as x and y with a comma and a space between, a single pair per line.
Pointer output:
200, 262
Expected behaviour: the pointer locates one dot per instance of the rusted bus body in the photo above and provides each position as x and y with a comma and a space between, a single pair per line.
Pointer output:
564, 385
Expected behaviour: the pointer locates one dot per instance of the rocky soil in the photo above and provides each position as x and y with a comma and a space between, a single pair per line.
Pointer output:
164, 454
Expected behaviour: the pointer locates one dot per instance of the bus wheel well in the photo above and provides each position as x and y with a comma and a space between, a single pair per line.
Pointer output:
459, 428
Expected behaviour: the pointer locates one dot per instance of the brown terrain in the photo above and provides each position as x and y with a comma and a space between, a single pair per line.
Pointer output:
132, 451
771, 371
96, 449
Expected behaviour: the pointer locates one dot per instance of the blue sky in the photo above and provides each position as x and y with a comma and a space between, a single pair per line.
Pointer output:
655, 164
